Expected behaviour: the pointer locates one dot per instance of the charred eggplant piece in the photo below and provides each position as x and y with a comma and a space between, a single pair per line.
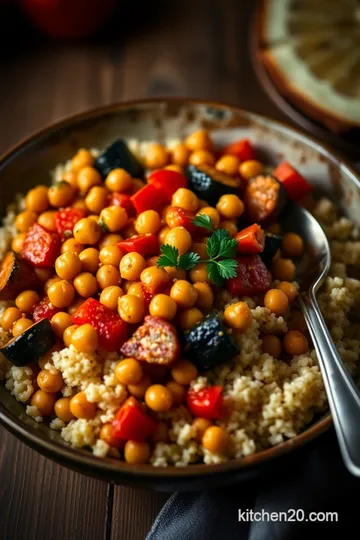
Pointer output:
31, 345
210, 184
118, 156
272, 244
15, 276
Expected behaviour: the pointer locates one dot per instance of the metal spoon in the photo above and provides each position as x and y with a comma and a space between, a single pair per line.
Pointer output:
342, 393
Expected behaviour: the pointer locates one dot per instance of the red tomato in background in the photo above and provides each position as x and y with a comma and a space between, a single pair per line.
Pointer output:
68, 19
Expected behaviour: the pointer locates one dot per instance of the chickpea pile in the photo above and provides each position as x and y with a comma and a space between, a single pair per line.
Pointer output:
91, 264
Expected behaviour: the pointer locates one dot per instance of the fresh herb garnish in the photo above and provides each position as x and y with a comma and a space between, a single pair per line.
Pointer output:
220, 248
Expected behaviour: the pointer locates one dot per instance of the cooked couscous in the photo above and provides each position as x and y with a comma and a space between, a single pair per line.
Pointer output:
148, 302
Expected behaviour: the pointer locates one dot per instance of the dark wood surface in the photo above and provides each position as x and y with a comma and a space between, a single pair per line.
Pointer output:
194, 48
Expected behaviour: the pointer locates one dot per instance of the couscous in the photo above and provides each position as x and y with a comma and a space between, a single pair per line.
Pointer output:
148, 302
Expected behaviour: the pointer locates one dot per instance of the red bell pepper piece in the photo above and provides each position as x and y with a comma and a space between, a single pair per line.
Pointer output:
252, 277
242, 149
150, 197
124, 201
132, 423
206, 403
41, 247
44, 310
251, 239
296, 186
65, 220
145, 244
168, 181
179, 217
111, 329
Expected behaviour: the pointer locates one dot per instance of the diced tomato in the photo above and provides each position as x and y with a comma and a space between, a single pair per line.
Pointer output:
145, 244
168, 181
242, 149
252, 277
296, 186
150, 197
155, 341
65, 220
111, 329
206, 403
132, 422
147, 295
179, 217
251, 239
124, 201
44, 310
41, 247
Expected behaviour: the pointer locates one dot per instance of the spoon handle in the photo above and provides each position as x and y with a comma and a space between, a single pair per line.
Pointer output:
343, 396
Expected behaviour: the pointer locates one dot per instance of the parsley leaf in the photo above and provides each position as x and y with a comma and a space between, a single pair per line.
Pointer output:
227, 268
203, 220
227, 248
214, 273
188, 260
169, 257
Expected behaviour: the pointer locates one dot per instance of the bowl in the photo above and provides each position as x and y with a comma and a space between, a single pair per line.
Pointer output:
29, 163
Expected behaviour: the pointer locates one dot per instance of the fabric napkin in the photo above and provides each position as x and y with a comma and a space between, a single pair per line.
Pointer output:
313, 479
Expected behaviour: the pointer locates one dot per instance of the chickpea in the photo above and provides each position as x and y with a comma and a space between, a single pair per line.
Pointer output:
87, 231
37, 200
106, 434
230, 206
62, 409
48, 220
190, 318
138, 390
200, 249
50, 382
131, 308
200, 425
202, 157
136, 452
131, 266
292, 245
111, 255
228, 164
9, 317
162, 235
110, 240
68, 332
205, 296
185, 198
238, 316
80, 407
178, 392
159, 398
152, 261
61, 194
161, 433
86, 284
250, 168
213, 215
215, 440
129, 230
198, 140
44, 402
271, 345
137, 184
87, 178
175, 273
199, 273
108, 275
68, 265
154, 278
80, 204
229, 226
297, 321
183, 293
110, 295
126, 286
82, 158
51, 281
283, 269
90, 260
295, 343
96, 199
18, 242
60, 322
163, 306
276, 301
136, 288
61, 294
71, 246
147, 222
129, 371
20, 326
113, 218
25, 220
27, 300
85, 339
156, 156
289, 289
43, 274
180, 155
71, 178
180, 238
118, 180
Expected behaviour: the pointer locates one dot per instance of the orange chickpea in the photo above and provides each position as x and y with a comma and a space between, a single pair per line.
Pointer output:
50, 382
68, 265
180, 155
213, 215
9, 317
87, 178
198, 140
190, 318
20, 326
106, 434
71, 178
185, 198
60, 194
147, 222
108, 275
26, 301
201, 425
47, 220
162, 235
229, 226
205, 296
156, 156
96, 199
51, 281
68, 332
178, 392
199, 273
110, 240
111, 255
292, 245
37, 200
202, 157
138, 390
109, 297
238, 316
90, 260
154, 278
113, 218
60, 322
215, 440
230, 206
71, 245
295, 343
180, 238
283, 269
131, 308
184, 372
289, 289
25, 220
271, 345
136, 453
61, 293
44, 402
82, 158
87, 231
85, 284
228, 164
131, 266
276, 301
80, 407
62, 410
159, 398
17, 242
163, 306
250, 168
118, 180
184, 294
129, 371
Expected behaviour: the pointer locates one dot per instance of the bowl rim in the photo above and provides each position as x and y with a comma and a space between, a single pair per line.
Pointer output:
73, 457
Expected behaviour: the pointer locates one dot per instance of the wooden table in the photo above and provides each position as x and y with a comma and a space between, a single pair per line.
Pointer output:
194, 48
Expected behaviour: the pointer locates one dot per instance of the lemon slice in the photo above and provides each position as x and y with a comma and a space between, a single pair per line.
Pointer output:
312, 51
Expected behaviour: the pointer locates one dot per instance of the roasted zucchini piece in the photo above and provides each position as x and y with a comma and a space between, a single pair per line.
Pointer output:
15, 276
31, 345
